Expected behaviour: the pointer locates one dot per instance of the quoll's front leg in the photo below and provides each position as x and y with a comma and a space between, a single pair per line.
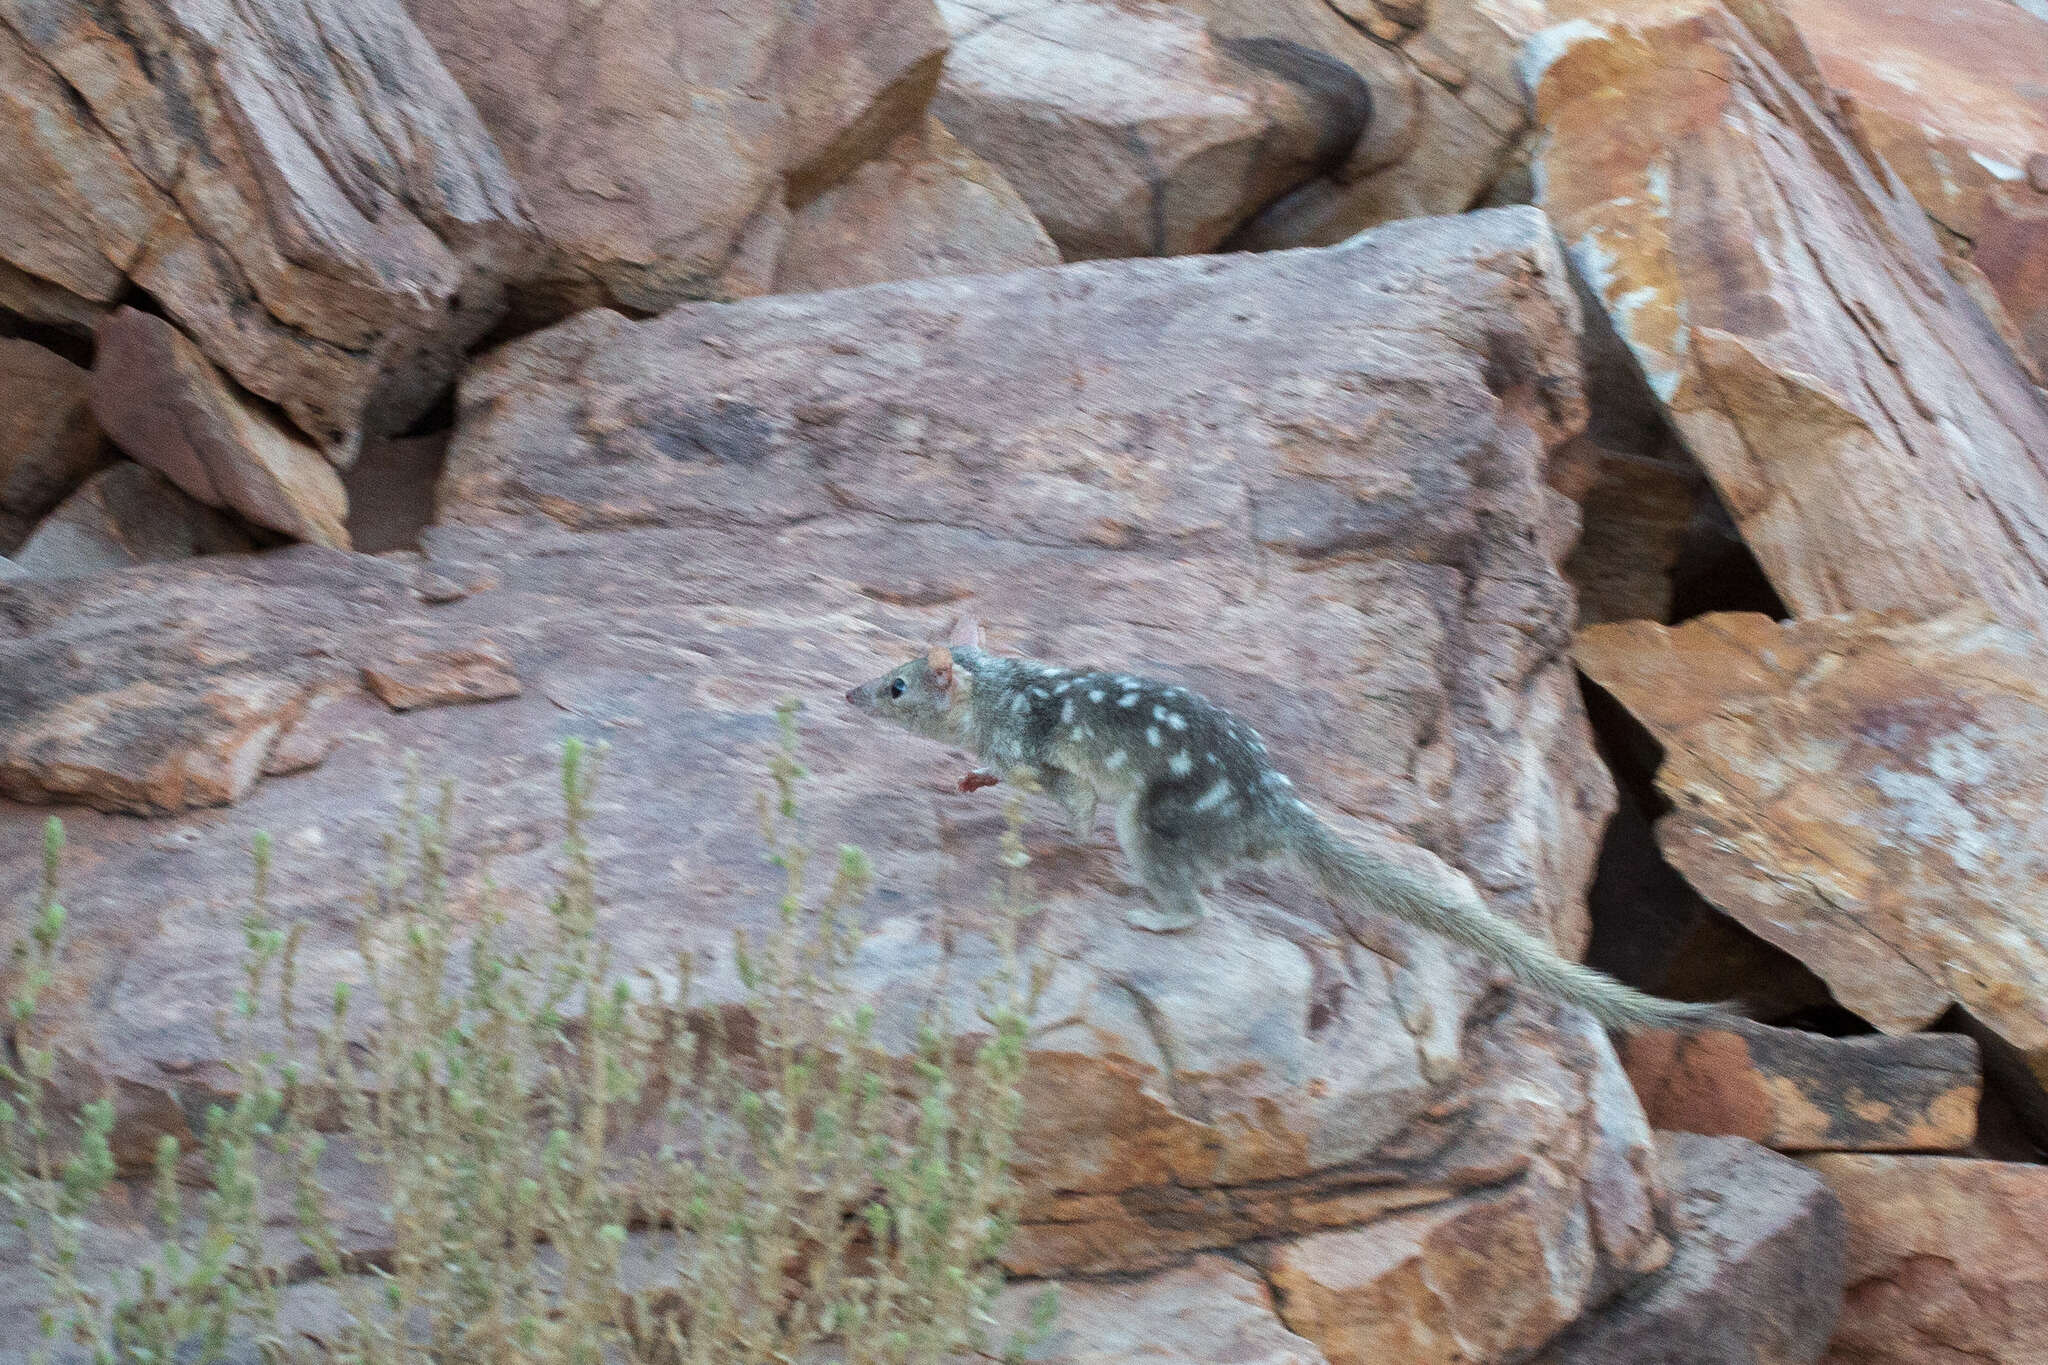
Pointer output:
1077, 795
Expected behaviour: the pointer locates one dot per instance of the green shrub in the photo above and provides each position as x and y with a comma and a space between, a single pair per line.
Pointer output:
791, 1191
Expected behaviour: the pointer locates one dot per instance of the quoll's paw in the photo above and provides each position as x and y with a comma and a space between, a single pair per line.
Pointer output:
1160, 921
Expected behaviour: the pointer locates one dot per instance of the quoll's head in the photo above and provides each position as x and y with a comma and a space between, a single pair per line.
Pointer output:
919, 695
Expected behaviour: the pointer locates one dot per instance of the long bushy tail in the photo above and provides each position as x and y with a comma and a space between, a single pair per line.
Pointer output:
1446, 903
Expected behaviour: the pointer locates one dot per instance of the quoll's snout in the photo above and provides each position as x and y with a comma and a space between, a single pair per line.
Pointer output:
853, 696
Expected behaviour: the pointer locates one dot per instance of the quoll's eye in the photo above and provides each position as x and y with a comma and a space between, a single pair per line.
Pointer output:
896, 688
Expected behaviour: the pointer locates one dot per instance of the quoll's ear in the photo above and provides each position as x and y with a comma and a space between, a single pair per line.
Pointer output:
940, 662
965, 633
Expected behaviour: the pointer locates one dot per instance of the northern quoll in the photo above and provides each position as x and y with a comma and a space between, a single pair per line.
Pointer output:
1194, 796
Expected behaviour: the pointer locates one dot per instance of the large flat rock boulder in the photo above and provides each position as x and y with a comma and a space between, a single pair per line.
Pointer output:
1864, 792
301, 186
1309, 483
1878, 444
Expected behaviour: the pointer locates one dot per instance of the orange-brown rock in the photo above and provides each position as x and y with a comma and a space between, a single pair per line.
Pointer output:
925, 206
300, 186
1864, 792
661, 143
1755, 1277
1951, 97
1805, 1092
1130, 129
1948, 1260
1876, 442
167, 407
411, 680
48, 440
125, 515
1331, 514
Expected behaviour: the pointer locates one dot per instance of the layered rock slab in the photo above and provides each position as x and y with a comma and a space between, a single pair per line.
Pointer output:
1864, 792
1875, 440
300, 185
1805, 1092
1330, 512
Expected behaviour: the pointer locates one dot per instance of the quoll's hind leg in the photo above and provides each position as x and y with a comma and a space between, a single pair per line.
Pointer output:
1167, 875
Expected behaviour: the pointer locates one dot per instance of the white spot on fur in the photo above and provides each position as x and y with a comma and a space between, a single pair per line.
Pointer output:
1180, 764
1083, 732
1127, 699
1020, 704
1215, 796
1095, 694
1212, 758
1067, 711
1062, 688
1039, 693
1176, 720
1277, 780
1115, 760
1152, 735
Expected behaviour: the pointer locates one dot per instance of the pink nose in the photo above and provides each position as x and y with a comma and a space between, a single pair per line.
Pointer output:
853, 695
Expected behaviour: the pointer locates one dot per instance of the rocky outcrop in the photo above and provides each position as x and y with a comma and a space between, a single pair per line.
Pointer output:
300, 186
1951, 98
49, 443
1332, 514
1756, 1276
168, 408
1875, 441
1130, 129
1866, 793
925, 206
122, 516
662, 145
1948, 1260
1805, 1092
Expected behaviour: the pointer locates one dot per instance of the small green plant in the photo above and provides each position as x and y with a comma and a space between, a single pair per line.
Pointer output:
783, 1186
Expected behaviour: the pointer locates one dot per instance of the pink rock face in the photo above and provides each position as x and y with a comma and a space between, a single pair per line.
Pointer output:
1951, 96
1876, 442
661, 144
1948, 1260
1331, 514
1864, 792
301, 186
